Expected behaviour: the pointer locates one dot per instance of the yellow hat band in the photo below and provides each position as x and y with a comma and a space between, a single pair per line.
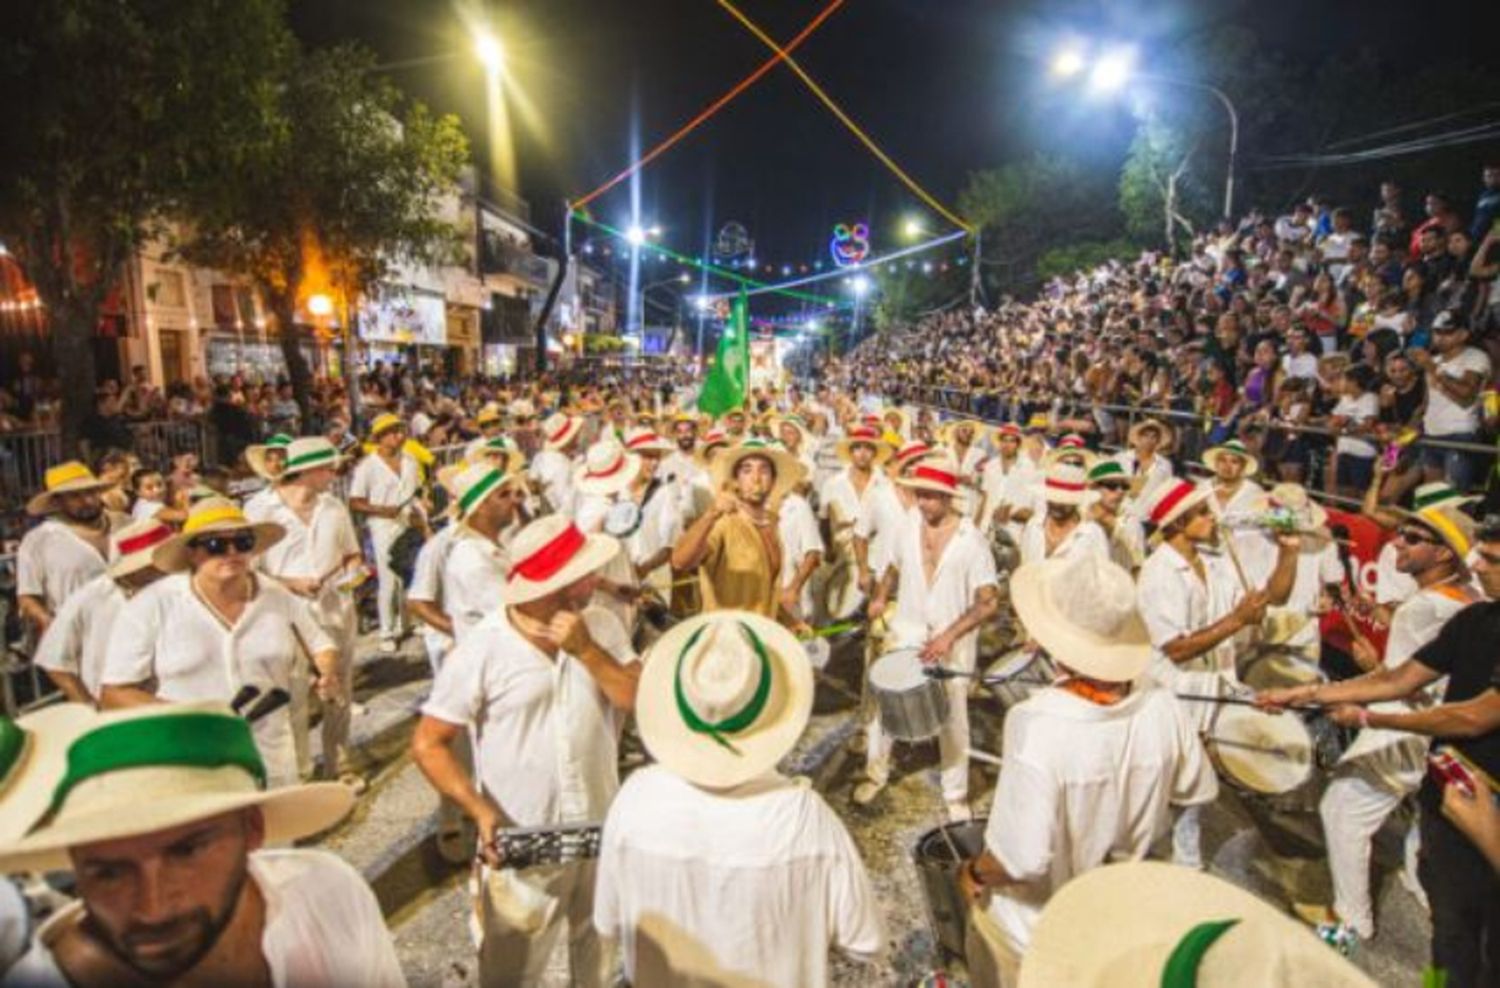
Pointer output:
1444, 526
200, 520
67, 473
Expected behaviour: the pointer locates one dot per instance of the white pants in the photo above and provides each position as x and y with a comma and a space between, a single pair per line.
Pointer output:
953, 746
390, 594
521, 913
1363, 793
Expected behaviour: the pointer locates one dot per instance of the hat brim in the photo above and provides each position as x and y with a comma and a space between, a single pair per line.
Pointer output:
333, 463
1252, 465
255, 458
1465, 529
883, 450
1075, 499
929, 486
618, 481
291, 813
789, 469
50, 732
596, 552
697, 757
130, 564
1120, 659
1166, 432
43, 503
172, 555
1199, 496
1056, 456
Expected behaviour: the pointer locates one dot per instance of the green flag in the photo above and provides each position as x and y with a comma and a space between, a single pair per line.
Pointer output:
728, 380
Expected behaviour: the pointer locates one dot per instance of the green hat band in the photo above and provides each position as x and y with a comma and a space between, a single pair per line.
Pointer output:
1443, 493
310, 459
12, 746
478, 492
734, 723
1181, 970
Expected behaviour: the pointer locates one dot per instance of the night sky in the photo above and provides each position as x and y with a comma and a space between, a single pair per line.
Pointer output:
944, 85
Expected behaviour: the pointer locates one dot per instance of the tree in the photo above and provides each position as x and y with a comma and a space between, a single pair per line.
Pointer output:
116, 111
351, 188
1157, 190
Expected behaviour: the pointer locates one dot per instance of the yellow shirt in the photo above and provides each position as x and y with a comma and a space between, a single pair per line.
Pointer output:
739, 571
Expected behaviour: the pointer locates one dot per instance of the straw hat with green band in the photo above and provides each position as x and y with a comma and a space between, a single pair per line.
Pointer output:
1153, 925
309, 454
147, 769
33, 756
723, 697
1438, 492
256, 456
213, 516
1105, 471
1235, 448
476, 483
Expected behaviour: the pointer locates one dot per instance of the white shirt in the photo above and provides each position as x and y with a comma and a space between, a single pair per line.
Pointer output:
53, 561
589, 513
1391, 585
553, 472
375, 481
1174, 602
1444, 416
473, 578
427, 583
323, 928
1158, 473
1358, 411
313, 550
144, 509
686, 479
1085, 537
749, 886
1014, 486
1317, 566
1256, 552
1299, 365
798, 530
79, 637
1127, 541
967, 566
881, 518
167, 632
1084, 785
547, 736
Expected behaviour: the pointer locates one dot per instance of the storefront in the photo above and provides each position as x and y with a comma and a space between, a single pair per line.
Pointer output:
404, 325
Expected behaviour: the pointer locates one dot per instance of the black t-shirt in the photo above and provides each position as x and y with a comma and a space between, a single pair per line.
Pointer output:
1467, 650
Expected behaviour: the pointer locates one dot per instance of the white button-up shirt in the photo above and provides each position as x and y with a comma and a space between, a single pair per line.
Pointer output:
375, 481
798, 530
1015, 485
1085, 537
79, 638
1174, 602
473, 578
548, 738
427, 584
749, 886
53, 561
168, 633
1084, 785
967, 566
312, 550
1158, 473
1257, 554
882, 517
553, 473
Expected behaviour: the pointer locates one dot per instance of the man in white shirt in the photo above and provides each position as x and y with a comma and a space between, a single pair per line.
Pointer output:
66, 550
553, 466
165, 822
714, 868
1456, 378
1008, 481
545, 685
1123, 532
1145, 461
943, 576
1236, 502
384, 489
486, 499
80, 637
1061, 530
1093, 764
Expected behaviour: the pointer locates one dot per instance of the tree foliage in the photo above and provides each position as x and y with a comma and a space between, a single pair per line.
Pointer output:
1161, 196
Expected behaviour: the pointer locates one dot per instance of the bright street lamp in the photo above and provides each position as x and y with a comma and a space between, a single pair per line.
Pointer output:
491, 55
859, 285
1111, 72
912, 227
320, 306
1067, 63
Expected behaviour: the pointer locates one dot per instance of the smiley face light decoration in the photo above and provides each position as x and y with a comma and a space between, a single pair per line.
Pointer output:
850, 244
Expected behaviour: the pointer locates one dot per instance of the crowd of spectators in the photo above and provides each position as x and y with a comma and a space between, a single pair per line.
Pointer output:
1326, 347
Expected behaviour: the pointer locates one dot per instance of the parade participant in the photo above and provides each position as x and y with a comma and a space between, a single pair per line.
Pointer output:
735, 546
605, 478
1463, 893
1381, 768
1071, 449
1144, 462
856, 493
943, 576
1126, 537
1093, 764
266, 459
1194, 604
490, 420
33, 757
962, 439
73, 650
545, 686
384, 489
68, 549
552, 467
801, 554
1061, 530
1293, 627
164, 818
1007, 482
658, 523
1106, 928
723, 698
486, 501
897, 425
425, 594
734, 424
795, 437
213, 629
1236, 501
312, 561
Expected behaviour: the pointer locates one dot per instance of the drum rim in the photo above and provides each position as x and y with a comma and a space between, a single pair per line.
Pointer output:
914, 652
1221, 764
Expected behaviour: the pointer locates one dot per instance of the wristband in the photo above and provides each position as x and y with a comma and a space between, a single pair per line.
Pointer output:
1364, 717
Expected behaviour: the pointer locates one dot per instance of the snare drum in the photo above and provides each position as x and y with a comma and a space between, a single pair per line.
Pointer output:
1023, 671
913, 706
1260, 753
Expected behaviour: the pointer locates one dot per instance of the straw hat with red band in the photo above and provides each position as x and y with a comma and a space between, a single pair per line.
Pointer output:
71, 477
937, 475
1232, 448
1071, 447
864, 435
131, 548
550, 554
607, 469
1067, 483
213, 516
647, 441
560, 428
1174, 500
911, 453
788, 469
1007, 430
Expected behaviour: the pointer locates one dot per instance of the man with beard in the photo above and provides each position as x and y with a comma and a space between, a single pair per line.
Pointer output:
544, 684
735, 546
164, 818
1062, 530
679, 469
66, 550
1008, 482
1124, 533
1236, 499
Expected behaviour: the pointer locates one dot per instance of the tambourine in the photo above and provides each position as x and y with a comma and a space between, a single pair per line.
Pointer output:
622, 519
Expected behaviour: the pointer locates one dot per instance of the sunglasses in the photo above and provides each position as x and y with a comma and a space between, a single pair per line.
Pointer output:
1113, 485
220, 545
1415, 536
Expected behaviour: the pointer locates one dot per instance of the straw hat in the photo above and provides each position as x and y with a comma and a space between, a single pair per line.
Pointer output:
33, 756
910, 453
1066, 483
1438, 492
647, 441
477, 482
71, 477
723, 697
497, 450
789, 470
385, 422
711, 440
131, 547
551, 553
1173, 500
255, 455
795, 421
1007, 429
868, 437
606, 469
903, 420
560, 428
146, 769
947, 429
1038, 423
1082, 609
1071, 446
1235, 448
211, 516
309, 454
489, 414
1105, 471
937, 474
522, 408
1448, 523
1166, 432
1294, 498
1127, 925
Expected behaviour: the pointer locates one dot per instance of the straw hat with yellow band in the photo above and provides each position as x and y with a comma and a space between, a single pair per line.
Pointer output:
213, 516
33, 756
71, 477
147, 769
490, 414
385, 422
1448, 523
256, 456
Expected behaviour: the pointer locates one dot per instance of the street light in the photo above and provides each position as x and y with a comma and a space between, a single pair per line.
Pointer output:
1112, 71
1067, 63
859, 286
913, 227
320, 306
491, 55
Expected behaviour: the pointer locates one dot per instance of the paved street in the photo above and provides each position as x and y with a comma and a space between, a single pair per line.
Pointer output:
389, 838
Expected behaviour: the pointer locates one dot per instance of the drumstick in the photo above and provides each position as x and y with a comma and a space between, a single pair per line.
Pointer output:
1234, 557
1242, 702
1246, 746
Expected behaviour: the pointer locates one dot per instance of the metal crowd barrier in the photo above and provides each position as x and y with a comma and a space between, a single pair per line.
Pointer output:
25, 456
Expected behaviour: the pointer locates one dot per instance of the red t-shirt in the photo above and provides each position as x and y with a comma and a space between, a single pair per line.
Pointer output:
1367, 538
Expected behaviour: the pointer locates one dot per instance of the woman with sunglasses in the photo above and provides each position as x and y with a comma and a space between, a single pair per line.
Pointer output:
215, 630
